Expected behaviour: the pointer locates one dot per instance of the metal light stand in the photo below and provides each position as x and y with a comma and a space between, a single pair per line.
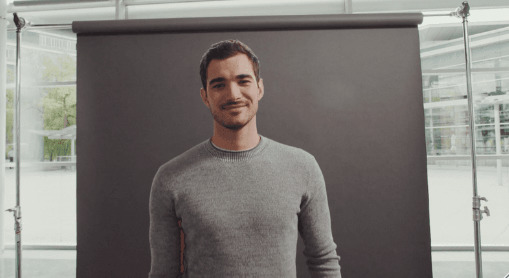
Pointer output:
20, 24
463, 13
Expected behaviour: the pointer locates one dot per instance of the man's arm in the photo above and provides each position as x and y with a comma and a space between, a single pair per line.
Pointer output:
164, 232
315, 228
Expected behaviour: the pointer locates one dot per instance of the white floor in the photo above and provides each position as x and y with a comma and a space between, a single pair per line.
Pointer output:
48, 202
40, 264
450, 195
462, 264
62, 264
49, 218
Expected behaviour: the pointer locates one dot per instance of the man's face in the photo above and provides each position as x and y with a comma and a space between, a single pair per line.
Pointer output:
232, 93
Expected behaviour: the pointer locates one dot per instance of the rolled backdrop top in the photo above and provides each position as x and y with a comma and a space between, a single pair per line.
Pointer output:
247, 23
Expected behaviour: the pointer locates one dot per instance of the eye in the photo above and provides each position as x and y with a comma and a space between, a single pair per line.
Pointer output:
217, 86
245, 81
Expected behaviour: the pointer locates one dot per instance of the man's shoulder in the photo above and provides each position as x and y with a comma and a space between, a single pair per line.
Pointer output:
185, 159
289, 152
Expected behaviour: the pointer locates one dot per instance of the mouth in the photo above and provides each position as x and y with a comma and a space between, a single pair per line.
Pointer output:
232, 106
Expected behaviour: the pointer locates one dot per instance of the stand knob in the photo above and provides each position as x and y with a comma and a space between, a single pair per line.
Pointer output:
486, 210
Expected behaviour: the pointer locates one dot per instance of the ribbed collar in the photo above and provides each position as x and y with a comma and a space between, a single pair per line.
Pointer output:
232, 156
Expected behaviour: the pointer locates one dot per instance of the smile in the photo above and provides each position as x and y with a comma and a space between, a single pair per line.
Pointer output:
232, 106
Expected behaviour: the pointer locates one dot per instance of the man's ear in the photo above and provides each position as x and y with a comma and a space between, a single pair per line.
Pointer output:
203, 94
261, 90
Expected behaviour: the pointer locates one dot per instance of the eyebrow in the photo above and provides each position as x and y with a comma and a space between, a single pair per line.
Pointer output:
243, 76
222, 79
216, 80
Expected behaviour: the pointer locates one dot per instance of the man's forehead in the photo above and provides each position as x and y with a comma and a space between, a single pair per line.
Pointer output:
237, 64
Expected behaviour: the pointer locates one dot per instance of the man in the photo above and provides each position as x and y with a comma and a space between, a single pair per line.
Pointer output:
242, 198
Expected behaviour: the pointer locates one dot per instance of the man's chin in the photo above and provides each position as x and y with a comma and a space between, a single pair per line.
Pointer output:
233, 126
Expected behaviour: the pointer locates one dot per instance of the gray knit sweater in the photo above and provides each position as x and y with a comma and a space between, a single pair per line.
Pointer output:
241, 213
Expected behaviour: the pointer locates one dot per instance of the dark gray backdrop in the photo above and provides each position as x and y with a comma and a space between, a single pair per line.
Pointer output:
345, 88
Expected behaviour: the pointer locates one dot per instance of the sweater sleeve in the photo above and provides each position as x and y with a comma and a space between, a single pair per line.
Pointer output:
315, 228
164, 234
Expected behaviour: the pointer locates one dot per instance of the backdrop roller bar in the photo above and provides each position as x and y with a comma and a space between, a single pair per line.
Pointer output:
49, 26
439, 14
30, 26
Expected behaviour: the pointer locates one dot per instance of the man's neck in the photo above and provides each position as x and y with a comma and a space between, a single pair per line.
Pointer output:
236, 140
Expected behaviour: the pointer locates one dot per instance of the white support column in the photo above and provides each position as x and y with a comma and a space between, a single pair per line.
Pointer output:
73, 149
498, 141
3, 100
348, 7
431, 131
120, 9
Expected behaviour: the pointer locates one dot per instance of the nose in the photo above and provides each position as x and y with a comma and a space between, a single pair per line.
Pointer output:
234, 91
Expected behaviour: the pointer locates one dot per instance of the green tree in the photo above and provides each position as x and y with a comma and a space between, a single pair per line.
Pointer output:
9, 121
59, 104
9, 113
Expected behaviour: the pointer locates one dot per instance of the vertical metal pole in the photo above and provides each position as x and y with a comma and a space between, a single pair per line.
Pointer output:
17, 214
463, 12
477, 223
466, 41
20, 24
3, 111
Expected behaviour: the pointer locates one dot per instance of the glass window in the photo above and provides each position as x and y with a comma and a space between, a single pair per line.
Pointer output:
448, 144
48, 156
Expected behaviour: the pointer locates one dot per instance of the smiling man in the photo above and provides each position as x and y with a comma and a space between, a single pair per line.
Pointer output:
231, 91
242, 198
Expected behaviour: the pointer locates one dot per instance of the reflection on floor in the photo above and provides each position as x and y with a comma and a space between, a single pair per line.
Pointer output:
467, 270
40, 264
462, 264
62, 264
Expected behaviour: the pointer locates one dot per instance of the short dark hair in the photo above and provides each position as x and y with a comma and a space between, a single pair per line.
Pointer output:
224, 50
